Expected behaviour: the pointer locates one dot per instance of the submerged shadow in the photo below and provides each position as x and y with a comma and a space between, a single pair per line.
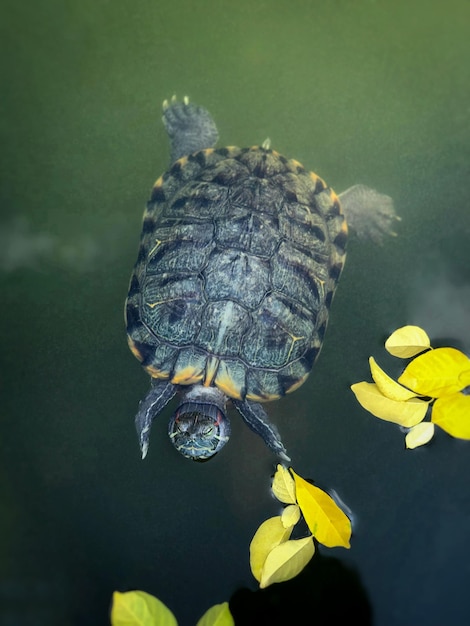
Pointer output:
326, 592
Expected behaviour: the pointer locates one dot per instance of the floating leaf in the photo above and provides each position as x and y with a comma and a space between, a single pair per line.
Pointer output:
387, 386
286, 560
290, 515
137, 608
406, 414
218, 615
437, 373
419, 435
283, 486
326, 521
452, 414
269, 535
407, 341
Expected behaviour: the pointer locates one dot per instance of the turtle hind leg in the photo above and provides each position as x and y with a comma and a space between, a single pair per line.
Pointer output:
370, 214
257, 419
190, 127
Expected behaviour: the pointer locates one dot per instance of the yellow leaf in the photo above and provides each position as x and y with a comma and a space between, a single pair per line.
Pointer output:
218, 615
290, 515
387, 386
407, 341
419, 435
137, 608
326, 521
437, 373
406, 414
283, 486
269, 535
452, 414
287, 560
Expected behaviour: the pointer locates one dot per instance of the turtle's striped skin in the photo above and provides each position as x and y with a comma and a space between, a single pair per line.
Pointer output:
240, 254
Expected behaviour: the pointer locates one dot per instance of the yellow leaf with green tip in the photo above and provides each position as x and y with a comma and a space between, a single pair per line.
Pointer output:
218, 615
406, 414
269, 535
407, 341
137, 608
283, 486
290, 515
286, 561
439, 372
326, 521
387, 386
419, 435
452, 414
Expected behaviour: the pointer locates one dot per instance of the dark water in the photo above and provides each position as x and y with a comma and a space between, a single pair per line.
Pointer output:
359, 91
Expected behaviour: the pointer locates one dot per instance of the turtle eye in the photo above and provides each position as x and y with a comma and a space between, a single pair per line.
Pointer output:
207, 431
181, 426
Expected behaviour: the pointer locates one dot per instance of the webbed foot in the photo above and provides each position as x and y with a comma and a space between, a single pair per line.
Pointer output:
369, 213
190, 127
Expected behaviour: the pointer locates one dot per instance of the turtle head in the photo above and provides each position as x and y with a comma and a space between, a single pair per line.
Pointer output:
198, 430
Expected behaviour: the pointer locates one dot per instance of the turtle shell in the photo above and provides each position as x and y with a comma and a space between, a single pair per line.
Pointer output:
240, 255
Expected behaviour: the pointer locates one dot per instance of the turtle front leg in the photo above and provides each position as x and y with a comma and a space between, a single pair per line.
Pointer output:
157, 398
190, 127
257, 419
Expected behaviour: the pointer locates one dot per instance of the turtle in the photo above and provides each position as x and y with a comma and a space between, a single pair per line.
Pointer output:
240, 255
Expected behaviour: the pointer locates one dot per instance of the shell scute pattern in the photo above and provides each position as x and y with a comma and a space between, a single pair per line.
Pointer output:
299, 276
236, 272
224, 325
182, 247
172, 306
238, 268
281, 334
255, 233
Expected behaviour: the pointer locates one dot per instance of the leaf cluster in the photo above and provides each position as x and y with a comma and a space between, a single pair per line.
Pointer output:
274, 556
435, 382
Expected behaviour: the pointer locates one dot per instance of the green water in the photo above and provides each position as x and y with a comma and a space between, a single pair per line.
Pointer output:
365, 91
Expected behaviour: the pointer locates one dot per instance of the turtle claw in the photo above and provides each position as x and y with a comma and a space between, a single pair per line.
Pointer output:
283, 456
166, 104
266, 145
144, 446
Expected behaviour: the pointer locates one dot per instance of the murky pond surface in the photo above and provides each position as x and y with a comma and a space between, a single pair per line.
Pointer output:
359, 91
